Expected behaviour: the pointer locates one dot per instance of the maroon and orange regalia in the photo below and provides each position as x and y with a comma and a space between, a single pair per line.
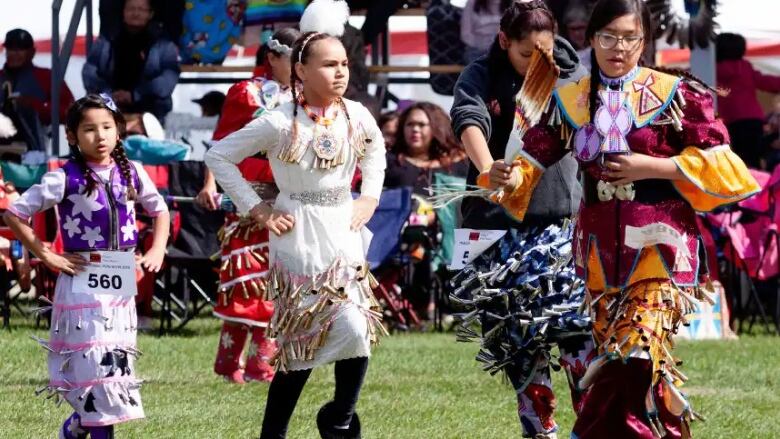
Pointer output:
637, 246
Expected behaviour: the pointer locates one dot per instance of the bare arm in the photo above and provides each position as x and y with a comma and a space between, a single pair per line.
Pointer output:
152, 260
67, 263
476, 147
627, 168
500, 175
205, 197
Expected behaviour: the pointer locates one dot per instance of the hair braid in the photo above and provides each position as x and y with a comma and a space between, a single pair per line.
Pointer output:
89, 176
594, 85
120, 157
293, 87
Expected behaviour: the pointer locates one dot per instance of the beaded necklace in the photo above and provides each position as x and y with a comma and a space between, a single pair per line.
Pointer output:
328, 150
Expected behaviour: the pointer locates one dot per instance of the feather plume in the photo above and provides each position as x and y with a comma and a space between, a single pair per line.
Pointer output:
325, 16
7, 128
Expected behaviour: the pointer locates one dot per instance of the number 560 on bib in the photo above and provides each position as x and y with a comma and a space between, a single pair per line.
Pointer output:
107, 273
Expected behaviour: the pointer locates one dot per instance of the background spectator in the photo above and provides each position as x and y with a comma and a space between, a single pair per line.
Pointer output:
388, 123
144, 76
26, 91
211, 103
479, 26
575, 21
424, 145
740, 109
167, 17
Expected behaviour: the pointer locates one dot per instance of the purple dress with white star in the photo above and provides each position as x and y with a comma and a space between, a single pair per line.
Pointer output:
92, 344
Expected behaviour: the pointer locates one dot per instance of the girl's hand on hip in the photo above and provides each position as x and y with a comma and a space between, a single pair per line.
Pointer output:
67, 263
362, 210
276, 221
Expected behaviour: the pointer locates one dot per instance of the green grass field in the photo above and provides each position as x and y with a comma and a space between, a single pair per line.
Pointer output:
418, 386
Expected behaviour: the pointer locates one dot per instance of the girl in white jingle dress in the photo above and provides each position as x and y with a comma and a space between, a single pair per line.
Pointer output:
319, 281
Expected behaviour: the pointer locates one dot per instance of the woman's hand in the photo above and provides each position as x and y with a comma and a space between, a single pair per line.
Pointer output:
152, 260
502, 176
274, 220
68, 263
205, 198
362, 210
627, 168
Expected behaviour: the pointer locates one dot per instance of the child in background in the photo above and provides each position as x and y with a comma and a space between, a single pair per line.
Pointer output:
92, 345
244, 267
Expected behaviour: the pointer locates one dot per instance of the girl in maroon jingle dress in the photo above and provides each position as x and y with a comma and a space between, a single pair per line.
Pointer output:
244, 242
92, 344
652, 154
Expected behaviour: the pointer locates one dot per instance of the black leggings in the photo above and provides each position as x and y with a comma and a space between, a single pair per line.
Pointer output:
286, 388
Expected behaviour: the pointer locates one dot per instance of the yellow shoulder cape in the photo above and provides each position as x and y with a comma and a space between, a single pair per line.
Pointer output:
650, 93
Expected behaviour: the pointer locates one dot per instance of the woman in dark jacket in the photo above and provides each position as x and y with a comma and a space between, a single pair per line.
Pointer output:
482, 117
138, 67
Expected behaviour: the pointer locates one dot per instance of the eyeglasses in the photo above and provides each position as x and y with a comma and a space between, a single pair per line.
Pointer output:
609, 41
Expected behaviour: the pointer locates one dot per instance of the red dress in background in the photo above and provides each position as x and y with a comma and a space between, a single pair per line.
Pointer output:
245, 247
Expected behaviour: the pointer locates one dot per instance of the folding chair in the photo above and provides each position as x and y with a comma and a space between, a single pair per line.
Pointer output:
388, 221
188, 282
752, 241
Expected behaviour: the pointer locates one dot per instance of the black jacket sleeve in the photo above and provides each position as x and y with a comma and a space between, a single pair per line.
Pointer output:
469, 106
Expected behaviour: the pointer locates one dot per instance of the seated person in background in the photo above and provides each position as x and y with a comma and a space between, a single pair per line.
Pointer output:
388, 123
167, 13
424, 145
139, 67
26, 91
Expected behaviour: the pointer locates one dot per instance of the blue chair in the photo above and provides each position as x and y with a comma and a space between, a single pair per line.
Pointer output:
387, 224
395, 206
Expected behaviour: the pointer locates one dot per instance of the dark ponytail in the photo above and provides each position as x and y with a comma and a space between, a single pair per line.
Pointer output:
595, 79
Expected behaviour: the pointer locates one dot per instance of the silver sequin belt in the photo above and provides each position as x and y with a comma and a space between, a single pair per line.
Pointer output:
326, 197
